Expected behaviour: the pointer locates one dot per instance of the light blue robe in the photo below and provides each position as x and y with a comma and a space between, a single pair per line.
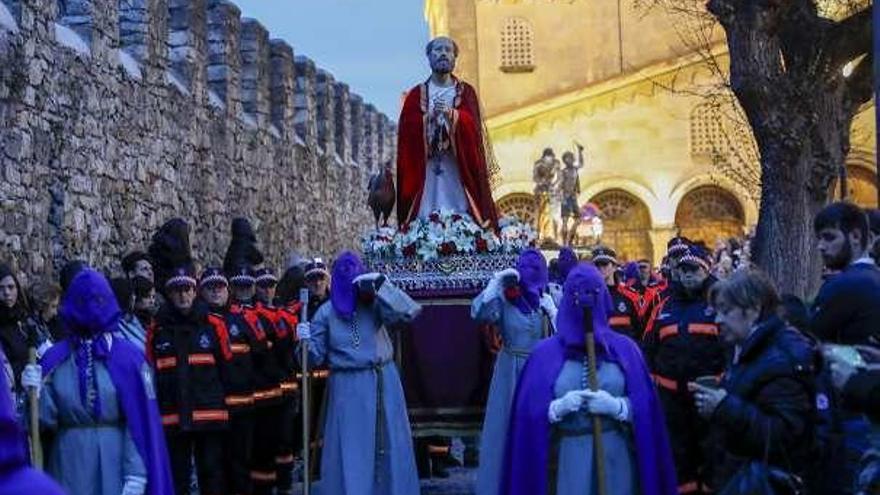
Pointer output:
87, 456
575, 474
359, 354
519, 334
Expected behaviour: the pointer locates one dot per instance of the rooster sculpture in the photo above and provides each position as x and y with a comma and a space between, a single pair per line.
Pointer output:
381, 194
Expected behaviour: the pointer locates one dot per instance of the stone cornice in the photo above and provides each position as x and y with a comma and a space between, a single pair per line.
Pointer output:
604, 94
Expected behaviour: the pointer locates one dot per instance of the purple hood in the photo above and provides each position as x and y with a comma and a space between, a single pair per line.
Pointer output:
343, 295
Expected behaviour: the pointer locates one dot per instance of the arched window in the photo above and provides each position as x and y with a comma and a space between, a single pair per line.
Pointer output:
709, 213
517, 46
626, 221
521, 205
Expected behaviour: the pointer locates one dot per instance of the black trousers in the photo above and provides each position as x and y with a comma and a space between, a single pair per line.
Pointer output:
287, 443
207, 448
688, 436
239, 449
265, 449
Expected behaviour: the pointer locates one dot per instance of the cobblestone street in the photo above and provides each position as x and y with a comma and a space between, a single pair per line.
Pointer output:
459, 482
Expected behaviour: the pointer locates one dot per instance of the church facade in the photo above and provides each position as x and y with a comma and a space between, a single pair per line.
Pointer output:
664, 152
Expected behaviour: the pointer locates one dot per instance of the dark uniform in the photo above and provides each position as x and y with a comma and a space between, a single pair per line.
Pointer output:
189, 353
247, 347
681, 343
283, 335
624, 317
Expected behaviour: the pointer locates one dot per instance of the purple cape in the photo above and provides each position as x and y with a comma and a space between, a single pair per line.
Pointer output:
528, 440
16, 478
533, 278
90, 310
343, 295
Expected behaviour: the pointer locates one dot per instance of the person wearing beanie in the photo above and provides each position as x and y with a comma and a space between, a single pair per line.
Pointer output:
624, 311
249, 349
682, 343
190, 352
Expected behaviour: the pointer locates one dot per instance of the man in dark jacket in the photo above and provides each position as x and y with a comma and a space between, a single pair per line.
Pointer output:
681, 343
624, 317
846, 309
189, 351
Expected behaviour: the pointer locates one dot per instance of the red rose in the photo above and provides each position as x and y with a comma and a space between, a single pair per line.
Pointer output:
482, 245
511, 293
447, 248
409, 250
456, 217
434, 217
404, 229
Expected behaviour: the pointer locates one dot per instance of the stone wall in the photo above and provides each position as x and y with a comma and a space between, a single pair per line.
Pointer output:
116, 115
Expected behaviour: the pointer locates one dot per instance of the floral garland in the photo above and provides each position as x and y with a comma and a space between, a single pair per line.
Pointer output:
446, 233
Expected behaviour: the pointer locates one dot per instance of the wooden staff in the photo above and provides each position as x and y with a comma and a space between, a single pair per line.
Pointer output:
306, 381
34, 407
598, 447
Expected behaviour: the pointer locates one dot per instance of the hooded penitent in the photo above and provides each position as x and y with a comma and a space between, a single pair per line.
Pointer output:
170, 250
567, 261
242, 250
90, 312
533, 279
343, 294
529, 435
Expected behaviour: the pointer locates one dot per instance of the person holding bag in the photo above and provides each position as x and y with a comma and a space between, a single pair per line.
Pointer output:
763, 410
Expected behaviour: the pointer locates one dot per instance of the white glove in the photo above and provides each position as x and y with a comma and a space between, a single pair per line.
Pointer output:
134, 485
366, 276
549, 306
568, 403
602, 403
32, 377
303, 331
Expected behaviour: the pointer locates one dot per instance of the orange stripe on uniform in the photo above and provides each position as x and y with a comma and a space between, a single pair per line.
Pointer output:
619, 321
289, 386
668, 331
709, 329
239, 400
201, 359
240, 348
210, 415
170, 419
284, 459
666, 383
165, 363
263, 476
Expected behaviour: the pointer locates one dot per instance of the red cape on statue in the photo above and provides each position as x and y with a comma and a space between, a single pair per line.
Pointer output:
467, 144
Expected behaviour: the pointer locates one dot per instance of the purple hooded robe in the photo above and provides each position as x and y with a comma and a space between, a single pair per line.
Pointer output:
89, 310
529, 435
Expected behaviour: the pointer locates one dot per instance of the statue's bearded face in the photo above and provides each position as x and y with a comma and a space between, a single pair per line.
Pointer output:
441, 55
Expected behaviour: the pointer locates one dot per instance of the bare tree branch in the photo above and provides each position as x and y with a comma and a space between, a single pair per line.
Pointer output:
849, 38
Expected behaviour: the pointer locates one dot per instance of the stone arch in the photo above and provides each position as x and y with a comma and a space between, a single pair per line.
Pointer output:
626, 222
520, 204
708, 213
747, 200
861, 181
517, 45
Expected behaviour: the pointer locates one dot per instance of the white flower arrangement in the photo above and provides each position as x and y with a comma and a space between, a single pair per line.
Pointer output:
447, 233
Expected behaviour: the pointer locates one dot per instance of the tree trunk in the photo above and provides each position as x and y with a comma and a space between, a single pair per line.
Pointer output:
800, 109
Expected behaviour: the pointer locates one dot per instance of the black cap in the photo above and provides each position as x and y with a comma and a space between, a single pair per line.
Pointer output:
212, 275
604, 253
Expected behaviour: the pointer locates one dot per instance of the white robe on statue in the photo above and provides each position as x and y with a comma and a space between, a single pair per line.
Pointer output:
443, 188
